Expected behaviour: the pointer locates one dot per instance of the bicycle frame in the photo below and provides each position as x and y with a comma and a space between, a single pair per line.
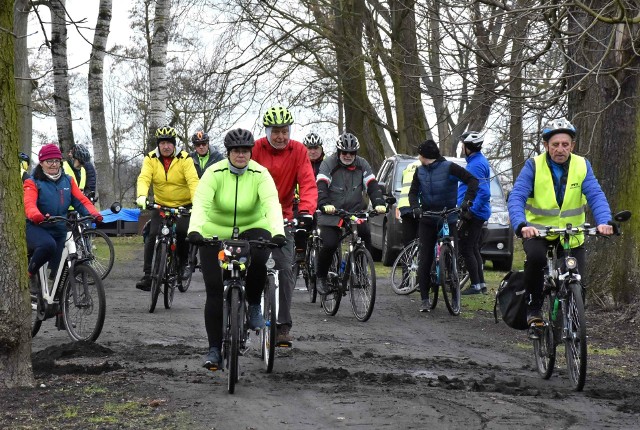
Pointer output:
350, 230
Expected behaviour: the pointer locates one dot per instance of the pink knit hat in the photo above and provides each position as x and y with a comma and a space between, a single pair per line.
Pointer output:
49, 151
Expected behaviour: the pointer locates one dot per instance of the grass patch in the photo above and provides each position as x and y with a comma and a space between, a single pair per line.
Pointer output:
94, 390
69, 412
608, 352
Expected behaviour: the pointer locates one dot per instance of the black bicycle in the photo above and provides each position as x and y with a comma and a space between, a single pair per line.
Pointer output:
563, 305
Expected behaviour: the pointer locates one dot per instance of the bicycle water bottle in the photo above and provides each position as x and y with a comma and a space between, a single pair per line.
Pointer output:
554, 312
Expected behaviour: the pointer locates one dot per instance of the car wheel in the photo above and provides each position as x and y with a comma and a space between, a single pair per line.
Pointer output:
387, 254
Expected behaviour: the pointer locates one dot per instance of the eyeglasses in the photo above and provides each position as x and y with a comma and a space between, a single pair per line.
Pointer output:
52, 161
200, 144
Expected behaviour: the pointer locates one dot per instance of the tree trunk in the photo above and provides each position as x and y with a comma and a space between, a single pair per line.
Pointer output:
104, 170
15, 310
61, 74
24, 85
516, 129
158, 70
604, 108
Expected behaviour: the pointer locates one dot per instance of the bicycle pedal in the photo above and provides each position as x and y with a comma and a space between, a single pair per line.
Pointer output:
284, 344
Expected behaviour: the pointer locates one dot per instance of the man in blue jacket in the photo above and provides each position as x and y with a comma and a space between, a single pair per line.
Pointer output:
550, 191
470, 233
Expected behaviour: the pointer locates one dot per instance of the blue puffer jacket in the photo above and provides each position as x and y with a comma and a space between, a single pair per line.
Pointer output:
478, 166
523, 188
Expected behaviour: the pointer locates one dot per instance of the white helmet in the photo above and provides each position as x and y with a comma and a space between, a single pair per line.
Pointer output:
472, 140
558, 126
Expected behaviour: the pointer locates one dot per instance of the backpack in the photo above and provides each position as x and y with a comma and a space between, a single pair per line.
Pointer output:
511, 298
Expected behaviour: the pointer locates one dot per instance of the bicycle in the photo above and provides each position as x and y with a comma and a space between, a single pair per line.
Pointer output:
166, 264
353, 272
314, 243
96, 245
444, 269
404, 271
234, 259
78, 302
563, 306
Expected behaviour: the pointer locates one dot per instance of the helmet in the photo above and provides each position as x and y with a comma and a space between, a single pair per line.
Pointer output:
200, 137
23, 157
312, 140
239, 138
166, 133
347, 142
81, 153
277, 116
472, 140
558, 126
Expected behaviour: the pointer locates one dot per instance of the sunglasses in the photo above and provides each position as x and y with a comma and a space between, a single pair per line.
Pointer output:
200, 144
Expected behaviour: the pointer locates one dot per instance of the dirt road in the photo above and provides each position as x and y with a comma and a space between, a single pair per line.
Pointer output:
401, 370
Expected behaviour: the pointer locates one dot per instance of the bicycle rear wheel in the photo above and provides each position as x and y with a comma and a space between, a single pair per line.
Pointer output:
185, 279
171, 279
157, 274
100, 249
235, 325
310, 277
435, 286
404, 272
84, 304
575, 341
269, 332
331, 302
449, 282
544, 346
362, 288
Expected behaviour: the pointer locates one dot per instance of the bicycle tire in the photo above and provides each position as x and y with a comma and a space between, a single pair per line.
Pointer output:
331, 302
575, 341
234, 338
100, 250
544, 346
269, 332
463, 273
83, 308
362, 284
37, 312
433, 290
185, 283
310, 277
404, 271
449, 283
170, 280
157, 275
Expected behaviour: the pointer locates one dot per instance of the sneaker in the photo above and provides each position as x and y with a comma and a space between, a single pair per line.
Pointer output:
144, 283
255, 317
283, 334
213, 360
471, 290
322, 287
425, 306
186, 272
483, 288
534, 316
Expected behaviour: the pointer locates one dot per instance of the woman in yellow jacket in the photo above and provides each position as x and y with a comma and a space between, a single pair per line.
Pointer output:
174, 179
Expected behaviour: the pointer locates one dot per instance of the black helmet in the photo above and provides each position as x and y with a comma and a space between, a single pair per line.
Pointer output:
166, 133
238, 138
472, 140
23, 157
312, 140
347, 142
81, 153
200, 137
558, 126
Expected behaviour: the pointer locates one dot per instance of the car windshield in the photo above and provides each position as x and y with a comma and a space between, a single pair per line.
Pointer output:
402, 164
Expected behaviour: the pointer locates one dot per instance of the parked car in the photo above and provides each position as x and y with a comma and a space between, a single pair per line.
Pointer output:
386, 232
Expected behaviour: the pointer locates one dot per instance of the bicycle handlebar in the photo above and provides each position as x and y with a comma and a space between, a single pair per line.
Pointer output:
587, 230
50, 219
215, 241
174, 211
443, 213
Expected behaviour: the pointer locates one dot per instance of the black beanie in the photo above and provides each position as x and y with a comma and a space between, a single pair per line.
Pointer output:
429, 149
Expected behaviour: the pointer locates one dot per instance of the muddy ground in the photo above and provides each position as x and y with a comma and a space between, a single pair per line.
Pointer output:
401, 370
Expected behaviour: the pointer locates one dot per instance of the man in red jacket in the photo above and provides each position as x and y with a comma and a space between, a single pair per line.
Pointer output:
288, 163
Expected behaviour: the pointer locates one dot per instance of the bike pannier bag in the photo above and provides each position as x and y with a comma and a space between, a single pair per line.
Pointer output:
511, 298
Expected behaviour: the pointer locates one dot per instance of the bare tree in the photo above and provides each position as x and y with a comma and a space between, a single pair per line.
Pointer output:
24, 84
158, 69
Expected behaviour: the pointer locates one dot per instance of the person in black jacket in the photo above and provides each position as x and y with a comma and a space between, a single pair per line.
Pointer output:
342, 181
313, 142
203, 156
435, 187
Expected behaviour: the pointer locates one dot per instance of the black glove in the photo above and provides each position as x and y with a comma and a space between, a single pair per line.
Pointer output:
466, 205
417, 212
466, 215
305, 221
279, 240
195, 237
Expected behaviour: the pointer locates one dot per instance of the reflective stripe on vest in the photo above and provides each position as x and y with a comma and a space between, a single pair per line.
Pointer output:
407, 177
542, 209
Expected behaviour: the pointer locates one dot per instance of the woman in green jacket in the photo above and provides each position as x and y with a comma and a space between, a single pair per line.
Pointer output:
234, 192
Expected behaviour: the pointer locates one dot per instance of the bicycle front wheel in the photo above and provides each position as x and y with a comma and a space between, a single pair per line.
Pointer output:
435, 286
362, 287
310, 277
404, 272
157, 274
331, 302
449, 283
269, 332
544, 346
171, 279
101, 252
575, 341
235, 325
84, 304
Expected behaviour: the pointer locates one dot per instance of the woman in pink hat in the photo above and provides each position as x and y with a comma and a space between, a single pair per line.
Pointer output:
49, 192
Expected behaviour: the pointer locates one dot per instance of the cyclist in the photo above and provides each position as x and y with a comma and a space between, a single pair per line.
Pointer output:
24, 165
79, 165
551, 191
239, 192
174, 181
49, 192
343, 179
203, 156
313, 142
470, 234
434, 187
288, 163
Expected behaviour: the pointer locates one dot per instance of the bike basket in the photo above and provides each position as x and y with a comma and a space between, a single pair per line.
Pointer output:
511, 299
